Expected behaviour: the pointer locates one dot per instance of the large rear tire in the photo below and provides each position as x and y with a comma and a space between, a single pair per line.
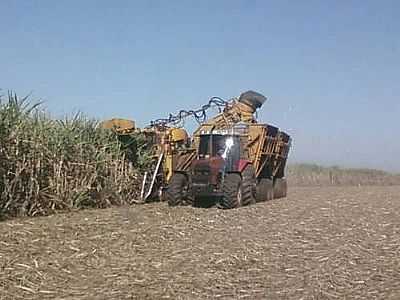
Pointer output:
175, 194
231, 192
248, 186
280, 188
265, 190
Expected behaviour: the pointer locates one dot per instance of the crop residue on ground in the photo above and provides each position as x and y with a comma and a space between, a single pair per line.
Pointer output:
319, 243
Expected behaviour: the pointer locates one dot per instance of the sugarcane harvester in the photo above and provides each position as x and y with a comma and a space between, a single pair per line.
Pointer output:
167, 145
233, 160
164, 144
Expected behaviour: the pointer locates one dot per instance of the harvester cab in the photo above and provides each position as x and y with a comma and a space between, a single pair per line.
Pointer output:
217, 144
219, 153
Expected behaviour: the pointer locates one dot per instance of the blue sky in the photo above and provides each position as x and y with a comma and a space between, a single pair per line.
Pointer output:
330, 69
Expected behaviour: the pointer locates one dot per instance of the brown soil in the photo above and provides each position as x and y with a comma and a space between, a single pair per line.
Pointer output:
319, 243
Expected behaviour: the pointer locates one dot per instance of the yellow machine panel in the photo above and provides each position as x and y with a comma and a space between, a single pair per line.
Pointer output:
121, 126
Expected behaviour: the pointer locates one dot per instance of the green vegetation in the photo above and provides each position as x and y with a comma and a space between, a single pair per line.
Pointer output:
48, 165
312, 174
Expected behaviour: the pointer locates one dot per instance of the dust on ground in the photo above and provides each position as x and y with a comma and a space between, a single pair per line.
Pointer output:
319, 243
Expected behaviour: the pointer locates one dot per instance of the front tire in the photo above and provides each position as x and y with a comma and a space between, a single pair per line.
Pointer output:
175, 194
231, 192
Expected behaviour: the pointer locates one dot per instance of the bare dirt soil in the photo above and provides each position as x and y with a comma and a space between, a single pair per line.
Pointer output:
319, 243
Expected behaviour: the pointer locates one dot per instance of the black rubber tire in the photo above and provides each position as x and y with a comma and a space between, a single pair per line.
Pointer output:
248, 186
231, 192
175, 194
280, 188
265, 190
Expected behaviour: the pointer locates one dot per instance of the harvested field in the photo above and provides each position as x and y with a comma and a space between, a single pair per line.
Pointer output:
319, 243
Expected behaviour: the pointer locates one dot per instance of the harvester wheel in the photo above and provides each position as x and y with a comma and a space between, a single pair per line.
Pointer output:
231, 192
175, 194
280, 188
248, 186
265, 190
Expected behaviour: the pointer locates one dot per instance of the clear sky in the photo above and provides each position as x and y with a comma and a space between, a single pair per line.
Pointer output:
331, 69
